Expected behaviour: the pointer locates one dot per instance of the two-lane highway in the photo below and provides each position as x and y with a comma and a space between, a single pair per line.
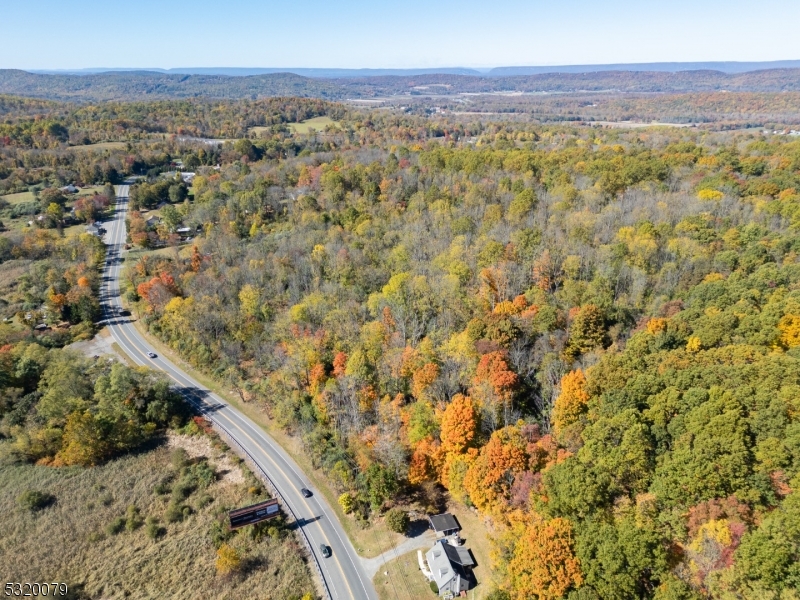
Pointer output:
344, 577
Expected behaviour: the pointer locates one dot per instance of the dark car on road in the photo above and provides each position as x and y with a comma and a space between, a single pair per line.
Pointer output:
152, 354
326, 550
306, 493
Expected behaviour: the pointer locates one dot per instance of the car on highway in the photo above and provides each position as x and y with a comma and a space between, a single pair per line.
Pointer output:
326, 550
152, 354
307, 493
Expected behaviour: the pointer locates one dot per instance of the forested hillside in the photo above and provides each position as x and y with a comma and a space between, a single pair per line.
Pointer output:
589, 336
144, 85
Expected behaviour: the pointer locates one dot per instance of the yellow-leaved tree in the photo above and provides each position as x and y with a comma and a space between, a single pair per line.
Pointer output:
228, 560
571, 402
789, 326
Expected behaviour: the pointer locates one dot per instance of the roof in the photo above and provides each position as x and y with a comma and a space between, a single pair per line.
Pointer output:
447, 562
440, 565
444, 522
458, 555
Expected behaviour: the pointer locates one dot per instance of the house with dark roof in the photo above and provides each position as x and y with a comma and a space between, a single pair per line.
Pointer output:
450, 567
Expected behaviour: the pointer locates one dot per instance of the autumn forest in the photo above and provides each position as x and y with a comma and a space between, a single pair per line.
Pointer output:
589, 335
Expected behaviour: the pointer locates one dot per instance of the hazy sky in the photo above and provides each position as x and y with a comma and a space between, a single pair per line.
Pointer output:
56, 34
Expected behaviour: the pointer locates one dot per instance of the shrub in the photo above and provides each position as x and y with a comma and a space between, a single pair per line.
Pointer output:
346, 502
152, 529
174, 513
228, 560
132, 519
182, 489
397, 520
179, 459
96, 536
204, 500
219, 533
434, 587
202, 474
34, 500
116, 526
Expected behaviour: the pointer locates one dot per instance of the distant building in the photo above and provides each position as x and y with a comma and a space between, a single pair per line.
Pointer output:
153, 221
70, 189
93, 229
450, 567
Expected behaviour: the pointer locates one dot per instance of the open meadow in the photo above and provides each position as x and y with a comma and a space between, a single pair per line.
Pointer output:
89, 536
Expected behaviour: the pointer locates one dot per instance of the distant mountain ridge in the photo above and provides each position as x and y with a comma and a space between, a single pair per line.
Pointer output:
149, 85
250, 71
729, 67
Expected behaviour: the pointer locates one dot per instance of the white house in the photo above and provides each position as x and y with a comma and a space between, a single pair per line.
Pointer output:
450, 567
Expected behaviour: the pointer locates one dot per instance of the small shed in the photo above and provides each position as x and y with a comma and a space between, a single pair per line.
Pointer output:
445, 525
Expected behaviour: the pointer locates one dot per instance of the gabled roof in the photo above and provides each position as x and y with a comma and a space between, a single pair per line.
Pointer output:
444, 522
448, 562
458, 555
440, 565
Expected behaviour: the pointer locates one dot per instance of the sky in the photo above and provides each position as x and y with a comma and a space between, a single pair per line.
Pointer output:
54, 34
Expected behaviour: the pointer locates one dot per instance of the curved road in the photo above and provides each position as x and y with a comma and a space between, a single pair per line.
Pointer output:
343, 574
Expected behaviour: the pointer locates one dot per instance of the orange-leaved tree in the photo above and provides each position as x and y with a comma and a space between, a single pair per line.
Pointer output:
493, 368
459, 424
544, 565
425, 461
488, 480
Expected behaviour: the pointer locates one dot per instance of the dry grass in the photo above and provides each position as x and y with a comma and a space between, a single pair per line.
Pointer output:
66, 541
99, 146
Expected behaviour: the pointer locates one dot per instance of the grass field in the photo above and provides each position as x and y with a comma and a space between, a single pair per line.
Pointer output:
317, 123
99, 146
70, 540
131, 256
18, 198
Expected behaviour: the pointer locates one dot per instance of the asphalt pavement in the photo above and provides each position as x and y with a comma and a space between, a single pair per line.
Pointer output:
343, 574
